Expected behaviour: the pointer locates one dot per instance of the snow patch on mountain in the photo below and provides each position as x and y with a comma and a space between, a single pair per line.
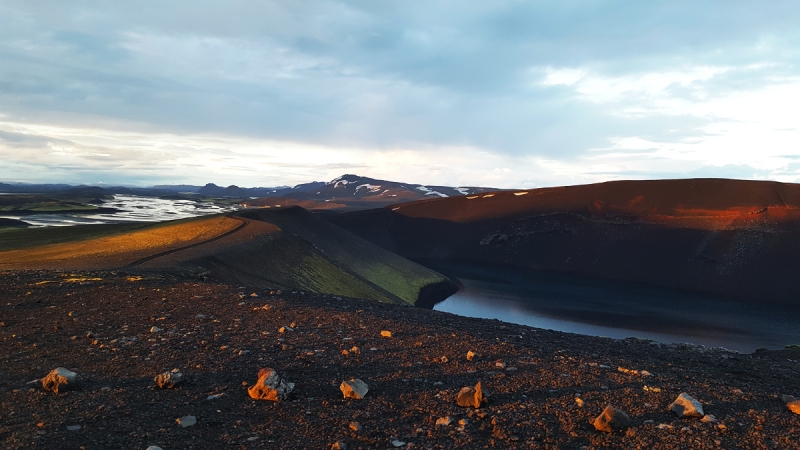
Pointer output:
429, 191
369, 187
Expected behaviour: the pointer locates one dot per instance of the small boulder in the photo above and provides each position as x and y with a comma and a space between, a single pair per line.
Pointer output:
386, 334
472, 397
154, 447
686, 406
355, 389
270, 386
471, 355
168, 380
794, 406
61, 379
446, 420
612, 419
787, 398
339, 445
186, 421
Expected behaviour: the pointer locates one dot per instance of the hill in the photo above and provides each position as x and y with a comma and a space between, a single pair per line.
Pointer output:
277, 249
730, 237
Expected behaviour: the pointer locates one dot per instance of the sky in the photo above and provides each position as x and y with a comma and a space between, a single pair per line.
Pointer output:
508, 94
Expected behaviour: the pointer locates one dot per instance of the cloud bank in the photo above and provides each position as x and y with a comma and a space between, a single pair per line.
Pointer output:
507, 93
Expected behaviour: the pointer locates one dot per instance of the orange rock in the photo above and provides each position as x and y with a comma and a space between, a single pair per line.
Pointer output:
61, 379
612, 419
355, 389
472, 397
270, 386
794, 406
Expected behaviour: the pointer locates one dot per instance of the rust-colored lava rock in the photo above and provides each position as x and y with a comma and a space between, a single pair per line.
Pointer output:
60, 380
472, 396
612, 419
270, 386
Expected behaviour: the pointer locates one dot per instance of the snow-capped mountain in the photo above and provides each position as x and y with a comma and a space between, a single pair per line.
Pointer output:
353, 188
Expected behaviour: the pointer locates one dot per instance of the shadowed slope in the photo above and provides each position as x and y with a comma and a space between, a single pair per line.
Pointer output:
726, 236
287, 249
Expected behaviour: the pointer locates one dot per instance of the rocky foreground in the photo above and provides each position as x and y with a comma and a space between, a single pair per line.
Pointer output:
206, 343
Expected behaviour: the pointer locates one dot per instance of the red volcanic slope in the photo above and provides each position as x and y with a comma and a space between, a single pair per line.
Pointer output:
726, 236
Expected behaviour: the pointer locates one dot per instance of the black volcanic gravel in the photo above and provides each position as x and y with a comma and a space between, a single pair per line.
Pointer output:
220, 336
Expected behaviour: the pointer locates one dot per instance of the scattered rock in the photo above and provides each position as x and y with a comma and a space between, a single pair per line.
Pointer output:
794, 406
686, 406
612, 419
270, 386
339, 445
397, 443
579, 402
788, 398
214, 396
168, 380
355, 426
446, 420
709, 418
386, 334
73, 427
154, 447
186, 421
472, 397
471, 355
155, 329
61, 379
355, 389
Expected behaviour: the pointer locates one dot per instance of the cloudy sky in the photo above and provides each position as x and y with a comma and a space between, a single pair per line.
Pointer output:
499, 93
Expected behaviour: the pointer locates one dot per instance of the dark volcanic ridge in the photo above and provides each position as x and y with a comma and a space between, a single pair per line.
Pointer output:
119, 330
731, 237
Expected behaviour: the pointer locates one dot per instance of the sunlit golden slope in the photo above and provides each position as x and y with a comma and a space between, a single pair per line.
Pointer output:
286, 248
118, 250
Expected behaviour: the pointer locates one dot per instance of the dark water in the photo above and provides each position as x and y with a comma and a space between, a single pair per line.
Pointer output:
617, 309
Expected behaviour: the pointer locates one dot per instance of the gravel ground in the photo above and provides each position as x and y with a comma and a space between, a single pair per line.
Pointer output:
99, 324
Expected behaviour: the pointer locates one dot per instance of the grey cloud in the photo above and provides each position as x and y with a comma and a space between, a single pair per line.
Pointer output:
378, 74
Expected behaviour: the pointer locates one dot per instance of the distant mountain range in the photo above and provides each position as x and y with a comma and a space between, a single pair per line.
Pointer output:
346, 191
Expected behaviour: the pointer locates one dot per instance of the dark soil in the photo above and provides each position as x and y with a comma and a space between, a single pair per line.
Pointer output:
220, 336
